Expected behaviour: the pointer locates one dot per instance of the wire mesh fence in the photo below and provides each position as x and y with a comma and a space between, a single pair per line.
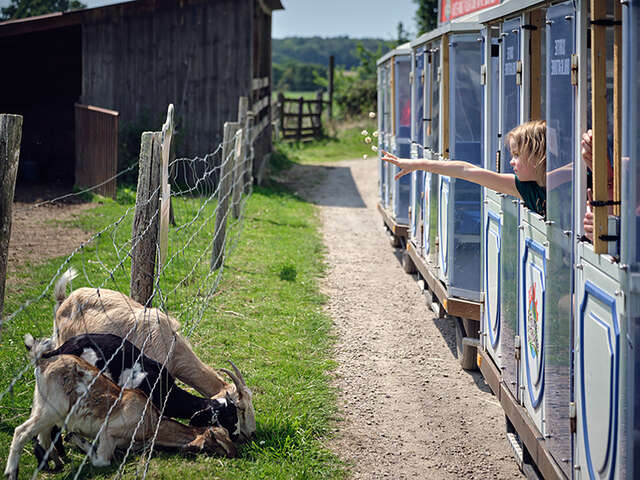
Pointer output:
111, 413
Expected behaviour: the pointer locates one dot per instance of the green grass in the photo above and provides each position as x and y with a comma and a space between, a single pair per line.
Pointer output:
342, 143
296, 95
266, 315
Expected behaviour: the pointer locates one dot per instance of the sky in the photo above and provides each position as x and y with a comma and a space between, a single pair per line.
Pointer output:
353, 18
331, 18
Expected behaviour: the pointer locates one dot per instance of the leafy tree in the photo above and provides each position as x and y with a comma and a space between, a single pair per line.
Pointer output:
403, 35
297, 76
30, 8
427, 15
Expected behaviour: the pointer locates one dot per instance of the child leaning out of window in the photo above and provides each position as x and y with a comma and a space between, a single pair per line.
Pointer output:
527, 144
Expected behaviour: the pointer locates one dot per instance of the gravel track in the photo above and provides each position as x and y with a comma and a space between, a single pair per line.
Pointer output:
409, 410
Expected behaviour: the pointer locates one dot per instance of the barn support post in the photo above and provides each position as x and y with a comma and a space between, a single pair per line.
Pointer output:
224, 190
144, 237
239, 175
10, 138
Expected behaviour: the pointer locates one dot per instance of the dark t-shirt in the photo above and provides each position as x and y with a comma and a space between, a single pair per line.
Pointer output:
534, 196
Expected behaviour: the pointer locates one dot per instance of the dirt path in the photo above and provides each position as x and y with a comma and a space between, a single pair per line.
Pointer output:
409, 410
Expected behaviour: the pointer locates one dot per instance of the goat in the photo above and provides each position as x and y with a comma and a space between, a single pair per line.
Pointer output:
63, 381
127, 366
89, 310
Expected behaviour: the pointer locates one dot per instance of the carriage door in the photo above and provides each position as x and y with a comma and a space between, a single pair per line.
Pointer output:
507, 206
492, 224
560, 116
417, 177
432, 144
401, 137
600, 331
465, 198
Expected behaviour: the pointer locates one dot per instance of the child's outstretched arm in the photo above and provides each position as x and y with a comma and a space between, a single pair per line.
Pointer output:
500, 182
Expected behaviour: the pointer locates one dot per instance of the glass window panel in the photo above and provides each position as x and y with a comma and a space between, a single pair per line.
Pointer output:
509, 58
403, 97
560, 114
433, 126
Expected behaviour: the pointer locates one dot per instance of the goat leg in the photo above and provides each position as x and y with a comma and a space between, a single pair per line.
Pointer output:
29, 429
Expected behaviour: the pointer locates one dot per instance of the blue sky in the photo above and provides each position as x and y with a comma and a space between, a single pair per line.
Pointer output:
330, 18
355, 18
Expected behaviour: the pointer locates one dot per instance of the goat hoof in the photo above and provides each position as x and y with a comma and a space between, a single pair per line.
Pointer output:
12, 475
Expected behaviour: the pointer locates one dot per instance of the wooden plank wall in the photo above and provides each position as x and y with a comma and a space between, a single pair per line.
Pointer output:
96, 148
198, 57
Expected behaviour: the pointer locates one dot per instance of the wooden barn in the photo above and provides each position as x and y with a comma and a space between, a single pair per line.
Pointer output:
131, 60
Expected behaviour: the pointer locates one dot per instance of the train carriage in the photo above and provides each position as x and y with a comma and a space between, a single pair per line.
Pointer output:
561, 309
445, 225
395, 68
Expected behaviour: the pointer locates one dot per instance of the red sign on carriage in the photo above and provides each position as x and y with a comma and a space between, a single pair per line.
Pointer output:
450, 9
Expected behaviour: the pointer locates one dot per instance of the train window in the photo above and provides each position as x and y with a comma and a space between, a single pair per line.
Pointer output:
433, 126
510, 85
631, 160
402, 97
418, 88
466, 98
605, 84
560, 114
538, 63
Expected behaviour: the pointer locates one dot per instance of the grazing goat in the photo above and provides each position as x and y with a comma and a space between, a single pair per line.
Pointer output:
90, 310
127, 366
63, 381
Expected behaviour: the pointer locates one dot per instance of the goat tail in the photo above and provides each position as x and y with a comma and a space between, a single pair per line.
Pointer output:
60, 290
60, 294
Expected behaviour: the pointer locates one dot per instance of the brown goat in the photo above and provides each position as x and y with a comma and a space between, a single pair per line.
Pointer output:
66, 380
90, 310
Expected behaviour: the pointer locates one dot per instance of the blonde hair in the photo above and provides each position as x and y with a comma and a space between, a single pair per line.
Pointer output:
530, 138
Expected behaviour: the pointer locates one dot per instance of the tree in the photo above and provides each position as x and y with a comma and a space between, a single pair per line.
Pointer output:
427, 15
403, 35
30, 8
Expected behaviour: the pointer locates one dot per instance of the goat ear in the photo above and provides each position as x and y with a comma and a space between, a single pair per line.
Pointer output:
29, 341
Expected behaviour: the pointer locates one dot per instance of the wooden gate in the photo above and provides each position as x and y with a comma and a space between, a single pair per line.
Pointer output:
96, 149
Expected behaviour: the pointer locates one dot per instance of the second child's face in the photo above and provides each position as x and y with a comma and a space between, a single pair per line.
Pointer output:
521, 165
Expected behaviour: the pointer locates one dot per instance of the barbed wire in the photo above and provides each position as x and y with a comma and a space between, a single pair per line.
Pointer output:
206, 288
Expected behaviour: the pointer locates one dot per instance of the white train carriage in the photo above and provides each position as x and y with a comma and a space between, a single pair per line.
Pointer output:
394, 205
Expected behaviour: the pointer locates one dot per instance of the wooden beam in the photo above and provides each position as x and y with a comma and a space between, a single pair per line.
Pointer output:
599, 123
617, 105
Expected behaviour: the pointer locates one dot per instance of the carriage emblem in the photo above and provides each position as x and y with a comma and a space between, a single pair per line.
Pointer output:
533, 322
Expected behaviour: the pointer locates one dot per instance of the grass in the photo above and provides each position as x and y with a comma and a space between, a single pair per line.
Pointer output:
344, 141
266, 315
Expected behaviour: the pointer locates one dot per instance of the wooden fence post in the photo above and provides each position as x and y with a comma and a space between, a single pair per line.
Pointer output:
165, 202
318, 130
224, 190
145, 222
281, 111
300, 105
331, 69
10, 138
249, 151
239, 175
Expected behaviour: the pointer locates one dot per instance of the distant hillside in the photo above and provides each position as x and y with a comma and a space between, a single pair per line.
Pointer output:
316, 50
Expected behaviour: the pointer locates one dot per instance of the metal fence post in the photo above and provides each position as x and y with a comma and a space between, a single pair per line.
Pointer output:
10, 138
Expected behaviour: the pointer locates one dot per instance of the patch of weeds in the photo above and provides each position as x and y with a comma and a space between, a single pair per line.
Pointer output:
288, 273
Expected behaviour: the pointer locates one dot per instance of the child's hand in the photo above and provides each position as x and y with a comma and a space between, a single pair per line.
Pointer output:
587, 145
405, 165
587, 222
